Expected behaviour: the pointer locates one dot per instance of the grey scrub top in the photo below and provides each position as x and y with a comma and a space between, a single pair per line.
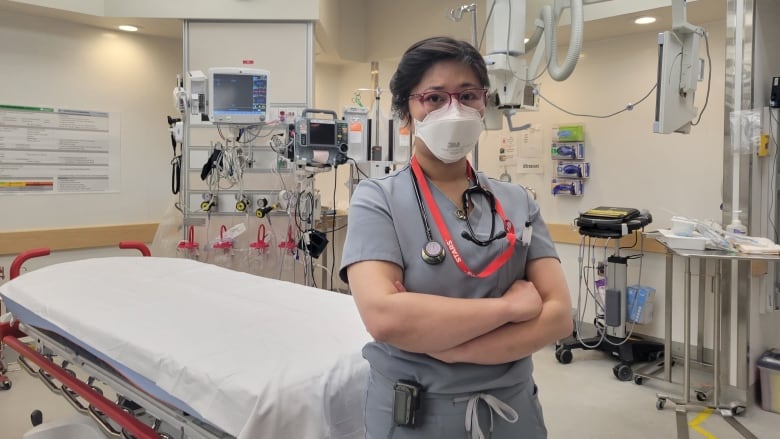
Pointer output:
385, 224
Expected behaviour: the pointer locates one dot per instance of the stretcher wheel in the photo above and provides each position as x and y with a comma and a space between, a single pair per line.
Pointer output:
5, 385
638, 380
623, 372
660, 403
564, 356
701, 396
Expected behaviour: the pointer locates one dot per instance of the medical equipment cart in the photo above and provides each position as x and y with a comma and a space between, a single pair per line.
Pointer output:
607, 223
721, 326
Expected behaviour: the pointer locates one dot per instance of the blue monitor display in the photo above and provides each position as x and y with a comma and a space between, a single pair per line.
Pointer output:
238, 96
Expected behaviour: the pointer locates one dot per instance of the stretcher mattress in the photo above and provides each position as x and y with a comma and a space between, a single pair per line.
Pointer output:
252, 356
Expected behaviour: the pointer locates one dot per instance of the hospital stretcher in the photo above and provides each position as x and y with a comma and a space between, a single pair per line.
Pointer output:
191, 349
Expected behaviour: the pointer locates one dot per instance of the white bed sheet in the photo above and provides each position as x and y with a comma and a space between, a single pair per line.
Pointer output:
255, 357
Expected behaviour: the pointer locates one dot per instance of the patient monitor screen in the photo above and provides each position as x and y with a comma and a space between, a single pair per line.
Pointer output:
322, 133
239, 98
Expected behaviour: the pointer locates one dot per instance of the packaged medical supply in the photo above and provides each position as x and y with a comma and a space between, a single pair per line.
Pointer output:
569, 133
568, 151
640, 299
683, 226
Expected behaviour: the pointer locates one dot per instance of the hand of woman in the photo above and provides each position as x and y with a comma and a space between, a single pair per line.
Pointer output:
524, 301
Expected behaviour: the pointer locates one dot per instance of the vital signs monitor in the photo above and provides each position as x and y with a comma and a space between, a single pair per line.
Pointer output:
238, 95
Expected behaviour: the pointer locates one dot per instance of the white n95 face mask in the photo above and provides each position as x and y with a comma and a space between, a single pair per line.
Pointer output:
451, 132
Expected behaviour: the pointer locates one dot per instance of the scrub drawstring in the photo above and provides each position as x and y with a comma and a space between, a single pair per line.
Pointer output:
501, 408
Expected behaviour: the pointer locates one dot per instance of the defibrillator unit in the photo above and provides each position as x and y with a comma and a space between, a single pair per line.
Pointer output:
611, 222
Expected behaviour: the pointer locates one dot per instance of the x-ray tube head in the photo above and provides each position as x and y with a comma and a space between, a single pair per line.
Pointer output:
507, 68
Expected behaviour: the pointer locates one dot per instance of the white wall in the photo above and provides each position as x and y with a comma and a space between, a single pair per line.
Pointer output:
53, 63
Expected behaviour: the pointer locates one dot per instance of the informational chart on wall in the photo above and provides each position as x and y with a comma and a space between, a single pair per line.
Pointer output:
52, 150
521, 153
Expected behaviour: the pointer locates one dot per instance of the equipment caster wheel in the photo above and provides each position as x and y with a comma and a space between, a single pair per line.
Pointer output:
5, 385
660, 404
701, 396
638, 380
564, 356
623, 372
737, 410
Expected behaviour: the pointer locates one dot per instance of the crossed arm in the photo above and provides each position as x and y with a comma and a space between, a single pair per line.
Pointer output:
528, 316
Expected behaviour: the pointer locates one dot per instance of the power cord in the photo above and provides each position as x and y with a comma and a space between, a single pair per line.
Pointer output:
709, 79
630, 106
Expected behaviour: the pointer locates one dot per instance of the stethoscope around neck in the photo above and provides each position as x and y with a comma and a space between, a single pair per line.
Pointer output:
433, 252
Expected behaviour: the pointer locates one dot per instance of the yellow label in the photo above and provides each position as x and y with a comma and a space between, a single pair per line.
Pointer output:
609, 213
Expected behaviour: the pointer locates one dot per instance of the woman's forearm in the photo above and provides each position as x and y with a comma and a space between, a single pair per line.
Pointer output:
514, 341
419, 322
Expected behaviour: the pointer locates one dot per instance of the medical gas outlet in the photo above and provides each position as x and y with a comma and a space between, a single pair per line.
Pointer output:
209, 202
242, 203
263, 207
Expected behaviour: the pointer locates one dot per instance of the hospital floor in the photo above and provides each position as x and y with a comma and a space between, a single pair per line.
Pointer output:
581, 400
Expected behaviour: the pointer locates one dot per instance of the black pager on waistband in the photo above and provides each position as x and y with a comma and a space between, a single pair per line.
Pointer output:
406, 402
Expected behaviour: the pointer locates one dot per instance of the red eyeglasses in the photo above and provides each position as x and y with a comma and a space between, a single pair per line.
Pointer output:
433, 100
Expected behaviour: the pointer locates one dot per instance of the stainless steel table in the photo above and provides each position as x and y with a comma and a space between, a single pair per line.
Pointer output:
727, 409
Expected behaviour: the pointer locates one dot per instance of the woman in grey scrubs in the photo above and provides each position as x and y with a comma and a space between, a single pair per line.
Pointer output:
454, 274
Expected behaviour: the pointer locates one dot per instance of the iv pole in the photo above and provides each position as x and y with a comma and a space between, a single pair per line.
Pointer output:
456, 14
377, 93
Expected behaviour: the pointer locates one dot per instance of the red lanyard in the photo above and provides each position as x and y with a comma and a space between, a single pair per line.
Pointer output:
496, 263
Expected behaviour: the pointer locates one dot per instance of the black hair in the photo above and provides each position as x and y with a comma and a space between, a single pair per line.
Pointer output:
419, 57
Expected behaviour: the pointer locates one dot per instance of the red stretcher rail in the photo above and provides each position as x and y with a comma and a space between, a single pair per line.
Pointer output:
110, 409
12, 329
10, 334
16, 265
140, 246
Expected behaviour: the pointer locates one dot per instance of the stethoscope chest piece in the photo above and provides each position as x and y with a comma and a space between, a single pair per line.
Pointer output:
433, 253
